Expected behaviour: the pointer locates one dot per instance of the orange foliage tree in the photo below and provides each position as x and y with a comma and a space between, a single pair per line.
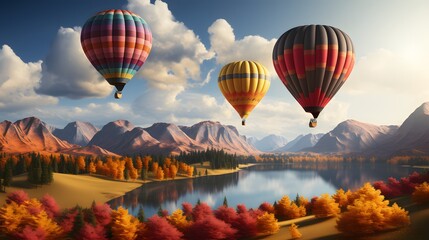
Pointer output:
286, 209
159, 174
370, 213
15, 218
267, 224
421, 193
294, 232
325, 206
342, 198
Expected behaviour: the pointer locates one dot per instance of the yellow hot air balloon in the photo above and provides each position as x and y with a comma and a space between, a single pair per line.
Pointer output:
244, 84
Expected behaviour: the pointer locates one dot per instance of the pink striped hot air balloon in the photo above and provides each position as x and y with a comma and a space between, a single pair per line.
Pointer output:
117, 43
313, 62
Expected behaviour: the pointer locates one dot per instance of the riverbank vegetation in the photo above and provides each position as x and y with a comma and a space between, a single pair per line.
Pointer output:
360, 212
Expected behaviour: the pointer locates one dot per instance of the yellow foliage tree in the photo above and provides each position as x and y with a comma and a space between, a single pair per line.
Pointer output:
286, 209
325, 206
124, 226
370, 213
342, 198
421, 193
14, 218
294, 232
178, 220
267, 224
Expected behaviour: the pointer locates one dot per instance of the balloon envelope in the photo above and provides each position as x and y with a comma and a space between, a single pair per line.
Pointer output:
117, 43
313, 62
244, 84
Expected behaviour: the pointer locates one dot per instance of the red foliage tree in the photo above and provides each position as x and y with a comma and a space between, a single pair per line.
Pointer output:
18, 196
226, 214
28, 233
187, 210
90, 232
201, 211
102, 213
266, 207
50, 206
241, 208
158, 228
68, 218
210, 228
245, 225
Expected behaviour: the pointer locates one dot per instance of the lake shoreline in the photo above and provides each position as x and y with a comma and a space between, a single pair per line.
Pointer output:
82, 189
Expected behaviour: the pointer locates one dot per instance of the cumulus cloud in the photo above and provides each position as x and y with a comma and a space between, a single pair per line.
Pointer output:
66, 72
387, 86
229, 49
17, 82
98, 113
181, 108
177, 52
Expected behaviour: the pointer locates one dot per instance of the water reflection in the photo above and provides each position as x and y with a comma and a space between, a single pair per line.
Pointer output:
256, 185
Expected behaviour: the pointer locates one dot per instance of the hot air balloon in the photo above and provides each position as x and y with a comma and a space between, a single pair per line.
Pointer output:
117, 43
313, 62
244, 84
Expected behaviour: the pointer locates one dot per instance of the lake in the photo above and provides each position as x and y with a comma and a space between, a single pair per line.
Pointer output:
257, 184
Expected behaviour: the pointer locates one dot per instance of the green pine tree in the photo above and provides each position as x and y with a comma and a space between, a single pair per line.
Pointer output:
225, 202
140, 215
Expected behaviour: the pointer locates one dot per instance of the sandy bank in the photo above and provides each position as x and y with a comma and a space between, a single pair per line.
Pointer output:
69, 190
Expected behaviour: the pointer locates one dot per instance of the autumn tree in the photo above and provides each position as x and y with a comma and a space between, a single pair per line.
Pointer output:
158, 228
267, 224
226, 214
421, 193
178, 219
285, 209
210, 227
50, 206
294, 232
370, 213
92, 168
123, 225
173, 171
245, 224
81, 163
201, 211
159, 174
266, 207
325, 206
342, 198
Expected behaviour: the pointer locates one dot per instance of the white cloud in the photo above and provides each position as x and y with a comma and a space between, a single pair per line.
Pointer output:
17, 82
177, 52
179, 107
386, 86
66, 71
228, 49
98, 114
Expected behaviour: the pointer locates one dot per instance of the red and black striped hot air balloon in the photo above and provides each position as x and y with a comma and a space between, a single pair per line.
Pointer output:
313, 62
117, 43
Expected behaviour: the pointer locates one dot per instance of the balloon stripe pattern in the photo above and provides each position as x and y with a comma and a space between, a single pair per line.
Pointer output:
117, 43
244, 84
313, 62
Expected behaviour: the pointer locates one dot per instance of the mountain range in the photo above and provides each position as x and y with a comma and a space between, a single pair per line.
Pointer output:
122, 137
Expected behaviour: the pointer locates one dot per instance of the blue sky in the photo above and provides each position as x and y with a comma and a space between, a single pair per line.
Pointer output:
44, 73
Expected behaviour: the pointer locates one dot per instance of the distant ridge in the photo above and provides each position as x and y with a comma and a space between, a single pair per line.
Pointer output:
121, 137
